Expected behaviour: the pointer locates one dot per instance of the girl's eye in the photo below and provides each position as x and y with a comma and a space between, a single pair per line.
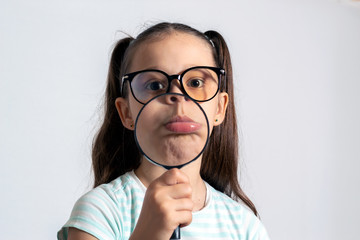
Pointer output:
155, 86
195, 83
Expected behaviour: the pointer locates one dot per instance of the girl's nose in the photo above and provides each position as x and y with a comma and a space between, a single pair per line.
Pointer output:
172, 98
175, 87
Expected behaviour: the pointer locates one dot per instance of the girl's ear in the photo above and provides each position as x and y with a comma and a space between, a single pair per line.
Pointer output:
122, 106
221, 108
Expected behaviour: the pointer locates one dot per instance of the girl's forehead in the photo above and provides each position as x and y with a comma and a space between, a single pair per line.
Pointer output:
172, 52
178, 37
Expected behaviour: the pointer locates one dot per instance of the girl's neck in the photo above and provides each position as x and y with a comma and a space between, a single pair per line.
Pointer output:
148, 172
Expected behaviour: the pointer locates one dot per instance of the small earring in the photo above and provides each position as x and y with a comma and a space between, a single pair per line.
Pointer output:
131, 125
216, 120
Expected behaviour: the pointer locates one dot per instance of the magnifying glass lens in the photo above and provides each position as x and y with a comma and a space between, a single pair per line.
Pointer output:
171, 130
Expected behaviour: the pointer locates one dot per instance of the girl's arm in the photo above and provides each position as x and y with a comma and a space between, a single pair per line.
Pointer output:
76, 234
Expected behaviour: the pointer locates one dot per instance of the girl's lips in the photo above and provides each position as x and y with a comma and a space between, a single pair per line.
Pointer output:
182, 124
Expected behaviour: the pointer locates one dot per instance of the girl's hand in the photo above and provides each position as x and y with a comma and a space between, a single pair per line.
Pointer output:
167, 205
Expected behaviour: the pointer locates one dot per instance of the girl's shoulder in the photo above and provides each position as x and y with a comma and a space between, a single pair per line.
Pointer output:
106, 211
240, 219
121, 193
124, 186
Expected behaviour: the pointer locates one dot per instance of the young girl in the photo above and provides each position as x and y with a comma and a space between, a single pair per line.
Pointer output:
135, 199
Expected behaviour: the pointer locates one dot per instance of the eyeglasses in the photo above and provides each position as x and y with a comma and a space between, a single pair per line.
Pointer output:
198, 83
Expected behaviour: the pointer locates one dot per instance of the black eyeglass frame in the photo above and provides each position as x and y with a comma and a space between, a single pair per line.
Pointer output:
130, 76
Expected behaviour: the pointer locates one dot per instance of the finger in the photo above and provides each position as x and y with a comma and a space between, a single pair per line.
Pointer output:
174, 176
183, 204
184, 218
181, 190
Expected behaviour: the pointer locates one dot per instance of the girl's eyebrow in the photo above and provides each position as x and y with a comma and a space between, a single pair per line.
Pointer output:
148, 68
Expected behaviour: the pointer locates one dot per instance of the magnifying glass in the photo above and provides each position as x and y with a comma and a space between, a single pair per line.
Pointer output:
171, 131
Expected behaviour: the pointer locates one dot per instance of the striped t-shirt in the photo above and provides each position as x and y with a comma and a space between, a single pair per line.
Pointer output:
110, 212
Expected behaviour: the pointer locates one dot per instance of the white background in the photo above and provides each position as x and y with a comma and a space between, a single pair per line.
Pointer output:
297, 72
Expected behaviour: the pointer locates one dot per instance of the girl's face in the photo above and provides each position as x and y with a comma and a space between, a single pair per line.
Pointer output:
173, 54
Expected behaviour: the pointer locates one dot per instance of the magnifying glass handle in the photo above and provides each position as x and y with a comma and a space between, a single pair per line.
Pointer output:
176, 234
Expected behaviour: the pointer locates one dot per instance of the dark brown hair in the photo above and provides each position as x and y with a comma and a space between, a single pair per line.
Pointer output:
114, 149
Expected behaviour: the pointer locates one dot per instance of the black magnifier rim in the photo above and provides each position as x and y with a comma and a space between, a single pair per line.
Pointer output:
163, 165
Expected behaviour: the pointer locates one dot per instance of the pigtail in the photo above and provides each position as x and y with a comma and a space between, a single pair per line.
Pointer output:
108, 153
219, 168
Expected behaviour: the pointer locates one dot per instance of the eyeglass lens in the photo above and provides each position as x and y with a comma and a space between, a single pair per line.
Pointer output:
200, 84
